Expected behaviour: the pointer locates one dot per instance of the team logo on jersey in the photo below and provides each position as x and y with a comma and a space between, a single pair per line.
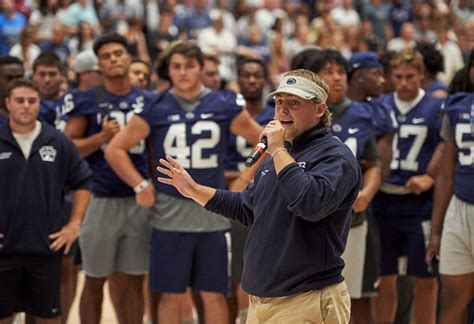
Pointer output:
291, 81
189, 115
5, 155
418, 120
48, 153
123, 105
302, 165
337, 128
264, 172
466, 116
352, 130
174, 118
401, 119
138, 105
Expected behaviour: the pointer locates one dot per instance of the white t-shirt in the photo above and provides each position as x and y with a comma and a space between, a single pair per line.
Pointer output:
25, 140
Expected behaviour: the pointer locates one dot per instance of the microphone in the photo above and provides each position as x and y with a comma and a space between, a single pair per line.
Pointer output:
257, 152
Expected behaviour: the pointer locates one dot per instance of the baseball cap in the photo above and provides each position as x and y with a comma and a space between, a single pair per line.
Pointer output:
363, 60
86, 61
300, 87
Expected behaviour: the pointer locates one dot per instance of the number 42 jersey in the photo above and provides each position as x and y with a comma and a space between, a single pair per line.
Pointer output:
197, 138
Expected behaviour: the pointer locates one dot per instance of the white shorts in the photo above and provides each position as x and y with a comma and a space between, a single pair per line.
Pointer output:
354, 258
457, 240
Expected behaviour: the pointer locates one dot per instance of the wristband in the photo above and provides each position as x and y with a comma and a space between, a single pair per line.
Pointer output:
279, 150
141, 186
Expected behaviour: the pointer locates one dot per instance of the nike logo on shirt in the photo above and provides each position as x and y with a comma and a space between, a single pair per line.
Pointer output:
418, 120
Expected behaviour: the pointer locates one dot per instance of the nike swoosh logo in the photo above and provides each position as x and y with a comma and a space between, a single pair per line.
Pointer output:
352, 130
418, 120
206, 116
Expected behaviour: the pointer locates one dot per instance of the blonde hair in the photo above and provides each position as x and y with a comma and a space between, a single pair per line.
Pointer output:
307, 74
408, 57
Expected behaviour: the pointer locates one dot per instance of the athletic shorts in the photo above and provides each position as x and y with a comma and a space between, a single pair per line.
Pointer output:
362, 259
115, 236
457, 241
238, 234
403, 247
179, 260
31, 284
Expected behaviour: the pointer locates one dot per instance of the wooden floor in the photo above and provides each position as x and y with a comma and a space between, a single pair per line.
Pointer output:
108, 314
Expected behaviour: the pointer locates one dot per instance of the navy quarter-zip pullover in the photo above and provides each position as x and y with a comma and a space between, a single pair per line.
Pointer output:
299, 219
31, 190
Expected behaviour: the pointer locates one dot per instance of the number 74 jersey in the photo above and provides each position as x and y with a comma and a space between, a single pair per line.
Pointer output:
197, 139
416, 138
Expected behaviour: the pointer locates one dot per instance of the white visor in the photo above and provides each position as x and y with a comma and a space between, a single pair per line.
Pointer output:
300, 87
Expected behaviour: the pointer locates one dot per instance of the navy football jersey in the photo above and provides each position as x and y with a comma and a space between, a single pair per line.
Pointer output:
415, 140
197, 139
95, 104
2, 118
383, 118
239, 149
460, 111
354, 127
50, 113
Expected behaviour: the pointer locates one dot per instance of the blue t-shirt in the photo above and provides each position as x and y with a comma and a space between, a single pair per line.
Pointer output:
95, 105
10, 29
416, 138
61, 50
239, 149
197, 139
460, 112
399, 14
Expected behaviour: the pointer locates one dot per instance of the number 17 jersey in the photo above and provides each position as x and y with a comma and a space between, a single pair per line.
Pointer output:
416, 138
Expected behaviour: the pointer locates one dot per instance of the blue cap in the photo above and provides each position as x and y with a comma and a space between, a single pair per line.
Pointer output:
363, 60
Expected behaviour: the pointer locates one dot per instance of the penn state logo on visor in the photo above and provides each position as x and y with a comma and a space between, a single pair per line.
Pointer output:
291, 81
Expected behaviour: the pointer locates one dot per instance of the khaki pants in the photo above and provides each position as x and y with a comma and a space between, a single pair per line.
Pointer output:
329, 306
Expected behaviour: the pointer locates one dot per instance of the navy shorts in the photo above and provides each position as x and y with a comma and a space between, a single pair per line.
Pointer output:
404, 234
197, 260
31, 284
